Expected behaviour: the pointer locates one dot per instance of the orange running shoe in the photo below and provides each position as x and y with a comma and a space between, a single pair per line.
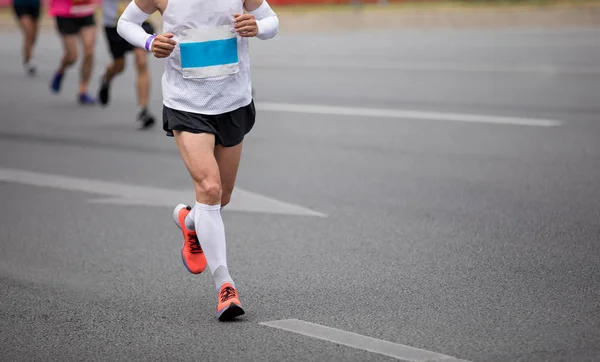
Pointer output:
229, 305
191, 251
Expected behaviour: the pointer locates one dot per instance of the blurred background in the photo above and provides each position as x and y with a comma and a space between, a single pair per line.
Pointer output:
422, 174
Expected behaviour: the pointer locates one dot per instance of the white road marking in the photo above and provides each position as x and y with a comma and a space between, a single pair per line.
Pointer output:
358, 341
124, 194
402, 114
422, 66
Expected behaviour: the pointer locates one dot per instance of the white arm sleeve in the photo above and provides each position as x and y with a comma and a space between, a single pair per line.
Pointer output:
267, 21
130, 28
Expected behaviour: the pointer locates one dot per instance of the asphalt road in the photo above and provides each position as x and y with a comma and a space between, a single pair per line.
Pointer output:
471, 239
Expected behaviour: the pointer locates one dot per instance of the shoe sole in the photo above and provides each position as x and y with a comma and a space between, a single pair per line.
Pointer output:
176, 220
230, 312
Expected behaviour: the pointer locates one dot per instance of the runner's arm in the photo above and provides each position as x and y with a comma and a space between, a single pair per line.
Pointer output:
266, 19
130, 23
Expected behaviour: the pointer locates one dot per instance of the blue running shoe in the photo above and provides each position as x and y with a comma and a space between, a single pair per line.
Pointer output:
56, 82
86, 100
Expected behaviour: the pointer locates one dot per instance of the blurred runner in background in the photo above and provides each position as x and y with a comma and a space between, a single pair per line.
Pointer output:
28, 15
74, 21
112, 10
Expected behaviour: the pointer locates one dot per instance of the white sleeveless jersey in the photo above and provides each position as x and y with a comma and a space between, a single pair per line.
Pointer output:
209, 69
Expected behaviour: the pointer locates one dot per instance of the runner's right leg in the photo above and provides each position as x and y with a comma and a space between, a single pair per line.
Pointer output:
69, 58
88, 38
144, 118
112, 70
118, 47
28, 25
35, 29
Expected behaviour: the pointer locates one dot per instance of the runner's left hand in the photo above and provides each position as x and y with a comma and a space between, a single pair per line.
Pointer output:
245, 25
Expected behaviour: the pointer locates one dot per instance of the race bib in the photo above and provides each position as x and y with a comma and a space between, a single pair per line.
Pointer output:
209, 52
82, 7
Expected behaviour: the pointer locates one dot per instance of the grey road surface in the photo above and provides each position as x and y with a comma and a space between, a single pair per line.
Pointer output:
475, 240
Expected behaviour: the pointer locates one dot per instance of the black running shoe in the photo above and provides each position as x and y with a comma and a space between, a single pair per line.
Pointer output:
103, 94
144, 119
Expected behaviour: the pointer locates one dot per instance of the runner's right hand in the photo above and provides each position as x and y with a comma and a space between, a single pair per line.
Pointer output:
163, 45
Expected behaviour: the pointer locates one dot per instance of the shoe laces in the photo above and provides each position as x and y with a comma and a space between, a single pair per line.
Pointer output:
194, 244
227, 293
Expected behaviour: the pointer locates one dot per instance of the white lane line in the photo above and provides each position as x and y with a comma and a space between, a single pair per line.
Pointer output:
395, 350
433, 67
126, 194
401, 114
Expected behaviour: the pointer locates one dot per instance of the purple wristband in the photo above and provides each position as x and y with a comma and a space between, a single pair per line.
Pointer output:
149, 41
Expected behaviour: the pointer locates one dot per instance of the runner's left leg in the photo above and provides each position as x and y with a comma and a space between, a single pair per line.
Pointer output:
144, 118
88, 38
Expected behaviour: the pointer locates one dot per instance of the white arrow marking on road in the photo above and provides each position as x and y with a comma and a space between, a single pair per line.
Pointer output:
395, 350
123, 194
403, 114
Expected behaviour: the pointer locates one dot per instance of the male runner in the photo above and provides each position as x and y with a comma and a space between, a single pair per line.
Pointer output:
208, 108
28, 15
112, 10
74, 21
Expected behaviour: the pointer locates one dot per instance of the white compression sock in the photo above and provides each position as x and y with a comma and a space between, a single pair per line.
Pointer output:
189, 219
211, 234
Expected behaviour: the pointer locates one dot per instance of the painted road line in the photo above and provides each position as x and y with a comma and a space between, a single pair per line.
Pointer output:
433, 67
401, 114
124, 194
395, 350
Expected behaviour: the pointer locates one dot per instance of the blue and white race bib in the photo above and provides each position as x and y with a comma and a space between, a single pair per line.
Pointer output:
209, 52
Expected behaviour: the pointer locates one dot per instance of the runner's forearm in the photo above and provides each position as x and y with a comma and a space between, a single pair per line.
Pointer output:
130, 23
266, 19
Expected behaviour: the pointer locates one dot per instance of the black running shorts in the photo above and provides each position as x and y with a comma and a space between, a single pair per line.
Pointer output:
229, 128
71, 26
33, 11
119, 46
